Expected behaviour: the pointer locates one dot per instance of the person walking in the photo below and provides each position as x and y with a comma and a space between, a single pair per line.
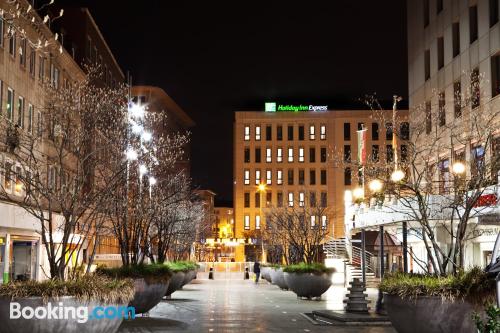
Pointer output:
256, 270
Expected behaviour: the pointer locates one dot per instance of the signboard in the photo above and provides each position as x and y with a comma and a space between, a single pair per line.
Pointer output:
486, 200
274, 107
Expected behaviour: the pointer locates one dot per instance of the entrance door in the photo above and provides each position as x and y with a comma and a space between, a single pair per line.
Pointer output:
21, 260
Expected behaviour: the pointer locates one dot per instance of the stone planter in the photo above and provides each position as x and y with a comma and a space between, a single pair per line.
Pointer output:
308, 284
175, 283
44, 325
429, 314
265, 273
147, 296
277, 278
188, 277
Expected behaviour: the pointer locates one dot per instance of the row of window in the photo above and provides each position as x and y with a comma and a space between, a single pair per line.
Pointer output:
279, 132
259, 179
19, 113
313, 220
291, 199
473, 21
279, 155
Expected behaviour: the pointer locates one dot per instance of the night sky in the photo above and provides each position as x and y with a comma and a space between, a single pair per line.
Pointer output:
216, 57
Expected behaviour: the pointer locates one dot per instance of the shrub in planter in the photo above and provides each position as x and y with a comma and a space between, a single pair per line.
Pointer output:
179, 270
85, 294
189, 273
424, 303
150, 282
308, 280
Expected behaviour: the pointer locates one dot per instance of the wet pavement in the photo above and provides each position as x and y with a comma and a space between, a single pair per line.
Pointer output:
241, 306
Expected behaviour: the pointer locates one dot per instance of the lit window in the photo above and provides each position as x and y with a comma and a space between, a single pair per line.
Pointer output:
247, 177
30, 118
257, 177
10, 103
257, 222
20, 112
18, 187
257, 133
301, 199
269, 175
279, 158
290, 155
290, 199
313, 221
7, 176
247, 222
247, 133
279, 179
301, 154
269, 155
312, 132
322, 132
324, 222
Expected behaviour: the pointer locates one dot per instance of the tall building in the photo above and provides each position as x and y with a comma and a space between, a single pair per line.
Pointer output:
295, 155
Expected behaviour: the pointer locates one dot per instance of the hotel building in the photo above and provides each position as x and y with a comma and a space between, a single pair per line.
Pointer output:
299, 157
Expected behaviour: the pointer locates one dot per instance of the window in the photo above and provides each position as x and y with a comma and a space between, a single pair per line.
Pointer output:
12, 45
323, 155
428, 117
257, 222
426, 13
7, 181
323, 199
441, 109
375, 153
347, 176
389, 153
440, 50
312, 132
247, 177
301, 132
279, 199
247, 222
279, 177
301, 177
290, 199
290, 155
404, 130
493, 12
30, 118
444, 176
439, 6
247, 133
347, 131
20, 112
312, 155
495, 159
247, 200
324, 221
313, 221
269, 132
457, 99
312, 199
427, 64
302, 199
473, 24
312, 177
475, 89
32, 62
388, 131
10, 103
257, 155
39, 124
279, 157
257, 177
41, 68
375, 131
257, 199
247, 155
18, 180
2, 29
322, 132
22, 52
269, 177
495, 75
347, 153
323, 177
456, 39
301, 154
290, 132
290, 176
404, 153
257, 133
477, 161
279, 132
269, 155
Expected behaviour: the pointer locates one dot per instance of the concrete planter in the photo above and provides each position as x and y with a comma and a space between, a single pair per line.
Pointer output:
44, 325
265, 273
308, 284
277, 278
147, 296
188, 277
429, 314
175, 283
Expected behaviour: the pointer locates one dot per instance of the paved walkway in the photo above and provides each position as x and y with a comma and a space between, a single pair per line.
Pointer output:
240, 306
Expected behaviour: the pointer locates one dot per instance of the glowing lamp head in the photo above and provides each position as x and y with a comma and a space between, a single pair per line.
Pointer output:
152, 180
375, 185
358, 193
458, 168
136, 129
131, 154
397, 176
262, 187
143, 169
136, 111
147, 136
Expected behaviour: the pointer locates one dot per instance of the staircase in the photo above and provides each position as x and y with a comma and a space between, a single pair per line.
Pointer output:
335, 248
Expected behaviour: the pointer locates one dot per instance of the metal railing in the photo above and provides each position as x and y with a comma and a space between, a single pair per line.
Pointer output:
356, 259
335, 248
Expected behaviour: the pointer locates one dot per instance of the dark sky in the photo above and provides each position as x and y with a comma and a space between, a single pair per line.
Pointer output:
215, 57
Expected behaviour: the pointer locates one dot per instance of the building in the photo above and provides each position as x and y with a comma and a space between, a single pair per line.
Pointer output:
299, 155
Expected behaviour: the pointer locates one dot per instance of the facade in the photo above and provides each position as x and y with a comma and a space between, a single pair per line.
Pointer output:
289, 156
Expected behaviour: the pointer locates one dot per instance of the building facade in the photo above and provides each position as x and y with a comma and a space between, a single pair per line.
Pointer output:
292, 157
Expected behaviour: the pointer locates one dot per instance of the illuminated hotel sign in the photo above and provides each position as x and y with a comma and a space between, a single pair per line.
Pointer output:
273, 107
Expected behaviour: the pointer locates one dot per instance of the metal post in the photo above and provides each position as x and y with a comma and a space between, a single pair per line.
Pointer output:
405, 247
380, 303
363, 257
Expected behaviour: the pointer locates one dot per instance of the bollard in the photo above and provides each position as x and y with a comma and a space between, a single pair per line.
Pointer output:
211, 274
247, 275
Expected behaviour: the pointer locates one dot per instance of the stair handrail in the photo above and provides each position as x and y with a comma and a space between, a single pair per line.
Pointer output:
356, 254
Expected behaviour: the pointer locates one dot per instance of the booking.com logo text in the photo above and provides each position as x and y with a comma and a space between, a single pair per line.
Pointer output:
79, 313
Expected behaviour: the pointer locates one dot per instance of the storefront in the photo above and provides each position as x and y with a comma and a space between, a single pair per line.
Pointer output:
19, 257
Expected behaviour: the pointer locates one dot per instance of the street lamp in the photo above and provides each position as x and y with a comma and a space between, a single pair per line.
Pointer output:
137, 111
261, 189
152, 180
143, 169
375, 185
358, 193
146, 136
397, 175
137, 129
131, 154
458, 168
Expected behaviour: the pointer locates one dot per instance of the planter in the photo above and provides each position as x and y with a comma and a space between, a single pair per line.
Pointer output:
188, 277
175, 283
265, 273
44, 325
147, 296
308, 284
277, 278
429, 314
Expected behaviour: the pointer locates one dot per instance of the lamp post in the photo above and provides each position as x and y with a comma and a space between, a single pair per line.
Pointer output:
262, 188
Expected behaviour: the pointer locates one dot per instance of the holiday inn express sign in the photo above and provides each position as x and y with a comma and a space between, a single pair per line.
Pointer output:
273, 107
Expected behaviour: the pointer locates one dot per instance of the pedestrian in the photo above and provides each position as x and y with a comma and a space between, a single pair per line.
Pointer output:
256, 270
